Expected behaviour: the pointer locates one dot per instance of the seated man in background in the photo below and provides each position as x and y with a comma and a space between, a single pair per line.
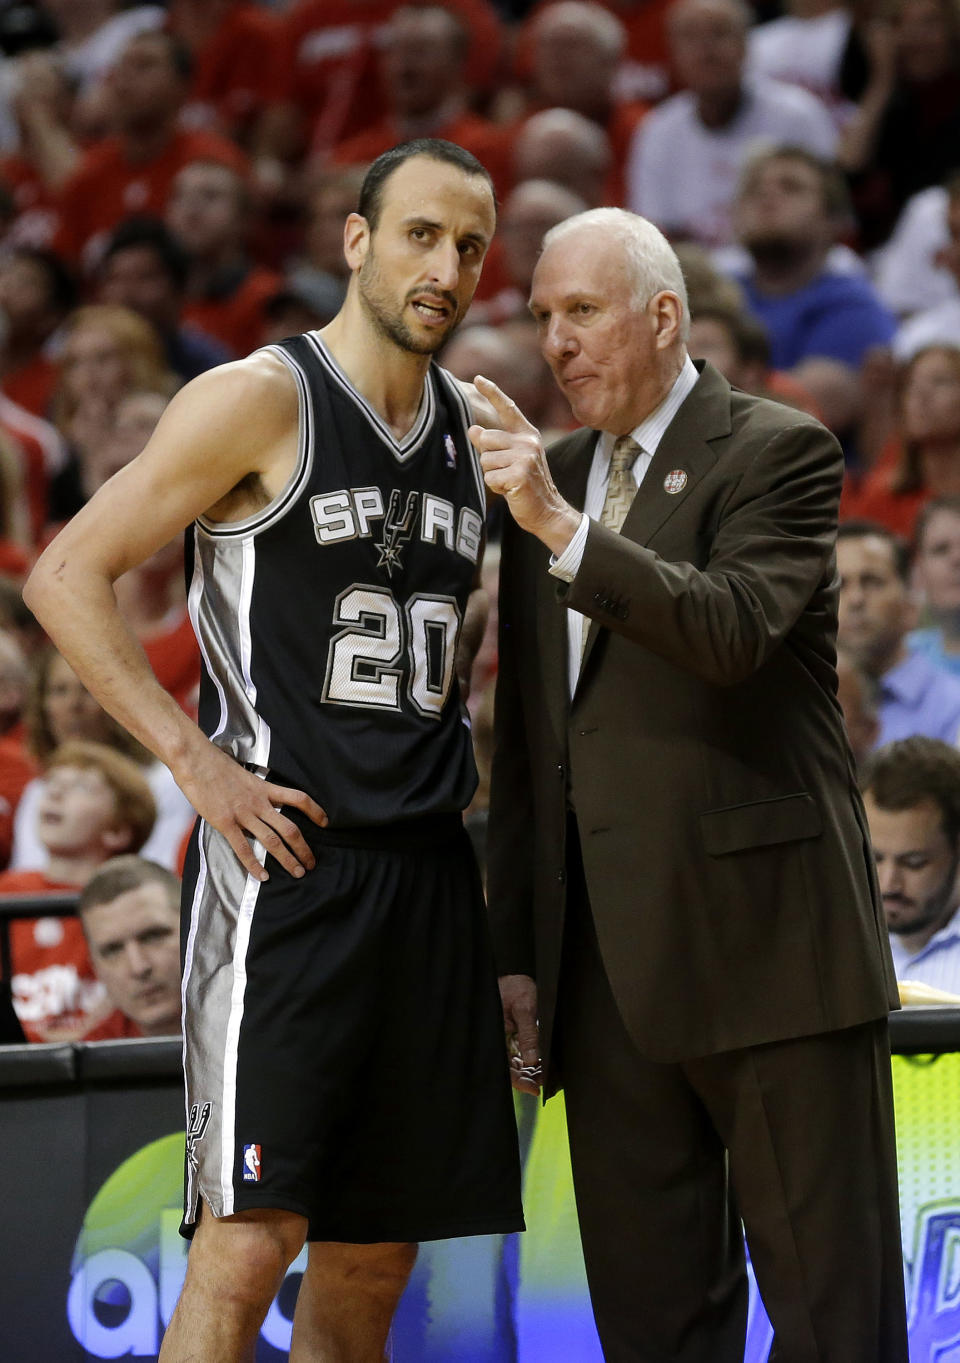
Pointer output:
130, 912
911, 792
877, 611
96, 803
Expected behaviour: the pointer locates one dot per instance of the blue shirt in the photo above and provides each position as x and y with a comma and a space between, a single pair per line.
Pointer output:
835, 315
916, 697
937, 964
929, 642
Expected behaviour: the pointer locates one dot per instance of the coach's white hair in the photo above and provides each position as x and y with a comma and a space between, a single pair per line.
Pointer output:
652, 260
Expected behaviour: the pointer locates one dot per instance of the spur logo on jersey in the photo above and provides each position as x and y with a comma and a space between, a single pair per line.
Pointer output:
197, 1124
351, 513
251, 1164
397, 529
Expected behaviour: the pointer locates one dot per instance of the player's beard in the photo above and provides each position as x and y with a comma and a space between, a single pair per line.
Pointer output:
387, 317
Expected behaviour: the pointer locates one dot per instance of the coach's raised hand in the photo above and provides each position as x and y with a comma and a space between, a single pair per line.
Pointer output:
514, 464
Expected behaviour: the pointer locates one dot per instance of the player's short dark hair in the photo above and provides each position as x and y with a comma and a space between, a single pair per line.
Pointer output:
903, 774
61, 285
434, 148
155, 236
122, 874
864, 529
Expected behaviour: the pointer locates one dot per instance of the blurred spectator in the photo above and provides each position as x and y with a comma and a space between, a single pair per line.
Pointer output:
530, 210
907, 269
42, 457
36, 293
643, 72
234, 54
924, 461
877, 611
904, 134
738, 345
130, 914
303, 302
856, 693
565, 147
330, 90
576, 47
95, 804
936, 569
208, 214
320, 271
47, 152
938, 324
790, 209
806, 46
16, 768
423, 55
59, 708
144, 269
131, 171
93, 34
686, 156
106, 352
911, 793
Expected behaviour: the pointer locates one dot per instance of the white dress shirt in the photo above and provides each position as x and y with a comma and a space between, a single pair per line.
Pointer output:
648, 436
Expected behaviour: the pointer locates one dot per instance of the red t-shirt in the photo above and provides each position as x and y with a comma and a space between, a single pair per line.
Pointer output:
107, 187
31, 385
16, 769
328, 65
56, 994
234, 71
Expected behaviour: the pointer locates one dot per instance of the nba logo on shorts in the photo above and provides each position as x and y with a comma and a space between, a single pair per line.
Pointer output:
251, 1164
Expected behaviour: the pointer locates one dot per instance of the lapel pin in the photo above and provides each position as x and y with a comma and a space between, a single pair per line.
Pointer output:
675, 481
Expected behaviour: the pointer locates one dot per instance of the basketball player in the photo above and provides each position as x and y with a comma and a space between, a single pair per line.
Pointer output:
343, 1038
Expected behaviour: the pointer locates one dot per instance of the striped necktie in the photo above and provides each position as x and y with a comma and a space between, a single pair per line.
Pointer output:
621, 490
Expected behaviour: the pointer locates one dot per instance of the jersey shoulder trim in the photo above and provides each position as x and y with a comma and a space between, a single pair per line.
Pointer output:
272, 512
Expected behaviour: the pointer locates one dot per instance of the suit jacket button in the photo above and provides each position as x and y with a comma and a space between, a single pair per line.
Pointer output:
560, 771
562, 876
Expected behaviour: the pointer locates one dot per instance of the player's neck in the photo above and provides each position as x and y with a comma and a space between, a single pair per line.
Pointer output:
389, 378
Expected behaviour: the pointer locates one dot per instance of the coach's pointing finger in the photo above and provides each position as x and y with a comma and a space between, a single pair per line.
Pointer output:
514, 464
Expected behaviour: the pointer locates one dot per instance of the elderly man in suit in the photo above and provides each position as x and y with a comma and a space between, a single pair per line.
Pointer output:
680, 880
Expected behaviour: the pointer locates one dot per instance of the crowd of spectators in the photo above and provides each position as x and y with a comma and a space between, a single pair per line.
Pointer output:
174, 179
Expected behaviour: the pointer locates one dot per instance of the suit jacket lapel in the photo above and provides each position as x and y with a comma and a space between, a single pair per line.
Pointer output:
682, 458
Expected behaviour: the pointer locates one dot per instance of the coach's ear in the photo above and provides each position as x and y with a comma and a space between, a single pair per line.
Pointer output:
356, 240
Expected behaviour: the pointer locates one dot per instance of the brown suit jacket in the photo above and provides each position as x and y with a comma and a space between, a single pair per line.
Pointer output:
724, 841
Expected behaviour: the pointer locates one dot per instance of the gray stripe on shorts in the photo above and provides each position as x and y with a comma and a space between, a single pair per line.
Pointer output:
215, 978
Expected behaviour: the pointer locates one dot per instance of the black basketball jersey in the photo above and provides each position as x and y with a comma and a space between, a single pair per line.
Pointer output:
328, 621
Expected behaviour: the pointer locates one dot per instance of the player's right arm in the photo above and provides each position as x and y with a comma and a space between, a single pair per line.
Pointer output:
226, 437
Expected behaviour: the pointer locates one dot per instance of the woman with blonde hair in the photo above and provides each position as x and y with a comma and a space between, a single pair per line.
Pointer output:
107, 352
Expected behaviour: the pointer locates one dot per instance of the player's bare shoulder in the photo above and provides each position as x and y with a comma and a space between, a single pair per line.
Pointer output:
251, 405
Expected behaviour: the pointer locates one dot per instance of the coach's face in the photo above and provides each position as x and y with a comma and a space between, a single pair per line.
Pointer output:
613, 358
418, 268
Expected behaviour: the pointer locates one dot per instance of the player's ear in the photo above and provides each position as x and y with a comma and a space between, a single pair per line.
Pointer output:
356, 240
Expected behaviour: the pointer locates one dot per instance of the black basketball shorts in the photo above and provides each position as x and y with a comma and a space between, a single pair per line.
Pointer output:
343, 1040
